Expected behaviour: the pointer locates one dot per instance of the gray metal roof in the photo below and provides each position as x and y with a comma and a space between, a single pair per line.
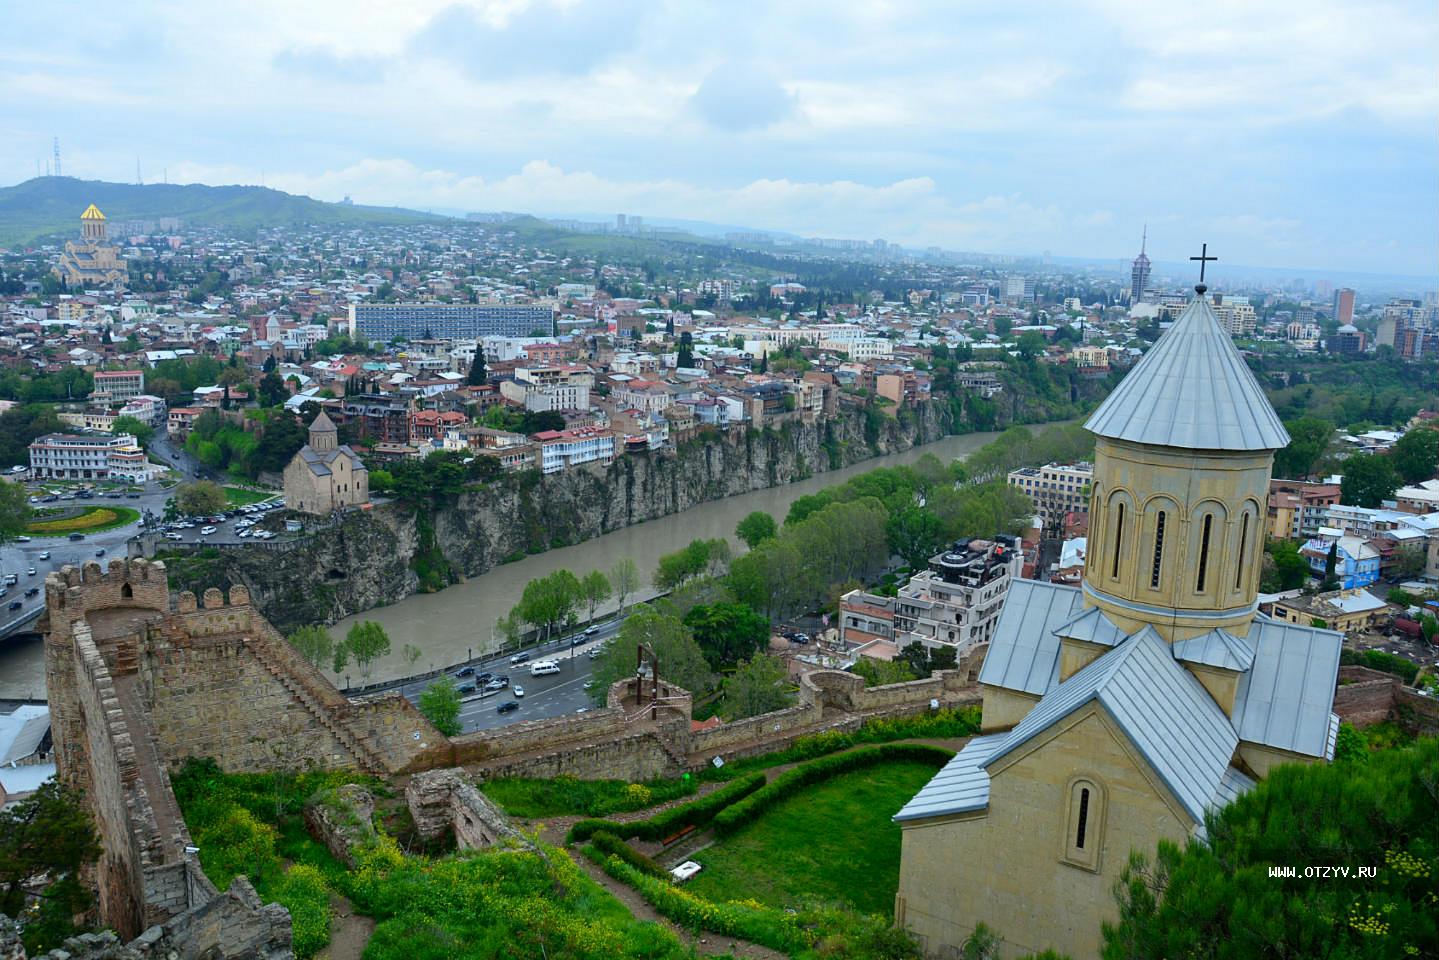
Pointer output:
1191, 390
1024, 652
1284, 700
962, 785
22, 731
1163, 710
1217, 648
1093, 626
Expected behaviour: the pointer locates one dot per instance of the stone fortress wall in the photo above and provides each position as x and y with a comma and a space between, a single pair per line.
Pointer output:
141, 680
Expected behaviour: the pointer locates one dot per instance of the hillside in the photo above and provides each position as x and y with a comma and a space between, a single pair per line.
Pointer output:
50, 206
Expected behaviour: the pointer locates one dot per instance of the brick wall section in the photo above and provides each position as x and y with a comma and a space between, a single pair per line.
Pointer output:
1416, 713
445, 800
1364, 697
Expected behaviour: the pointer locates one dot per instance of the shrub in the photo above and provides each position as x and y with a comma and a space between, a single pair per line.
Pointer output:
1381, 661
304, 893
745, 810
566, 796
669, 822
612, 845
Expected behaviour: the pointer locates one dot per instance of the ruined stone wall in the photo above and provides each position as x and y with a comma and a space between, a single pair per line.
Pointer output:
635, 756
445, 800
1364, 697
488, 746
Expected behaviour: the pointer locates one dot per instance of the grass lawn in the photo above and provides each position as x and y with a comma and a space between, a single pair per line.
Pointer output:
239, 496
832, 842
92, 520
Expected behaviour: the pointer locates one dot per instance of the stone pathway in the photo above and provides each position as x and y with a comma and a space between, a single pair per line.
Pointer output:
350, 932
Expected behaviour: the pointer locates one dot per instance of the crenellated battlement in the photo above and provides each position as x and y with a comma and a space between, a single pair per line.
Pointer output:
72, 593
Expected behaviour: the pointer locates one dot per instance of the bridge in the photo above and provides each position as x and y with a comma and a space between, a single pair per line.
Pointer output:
26, 618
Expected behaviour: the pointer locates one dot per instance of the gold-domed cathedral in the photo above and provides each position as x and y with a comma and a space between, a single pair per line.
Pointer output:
92, 261
1118, 712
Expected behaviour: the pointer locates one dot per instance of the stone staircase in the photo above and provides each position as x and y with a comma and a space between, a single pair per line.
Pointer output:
364, 757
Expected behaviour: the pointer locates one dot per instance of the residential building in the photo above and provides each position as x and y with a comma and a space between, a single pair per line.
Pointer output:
956, 602
325, 475
83, 456
562, 449
1348, 339
1344, 306
1356, 563
1345, 611
866, 619
1422, 497
448, 321
117, 386
1297, 508
380, 416
1056, 489
180, 421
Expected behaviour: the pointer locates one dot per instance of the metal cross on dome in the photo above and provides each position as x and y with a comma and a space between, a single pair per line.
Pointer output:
1203, 259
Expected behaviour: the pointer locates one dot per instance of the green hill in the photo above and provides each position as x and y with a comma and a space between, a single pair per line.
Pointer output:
51, 206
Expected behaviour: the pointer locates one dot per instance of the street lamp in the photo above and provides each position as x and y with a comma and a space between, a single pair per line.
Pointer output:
347, 681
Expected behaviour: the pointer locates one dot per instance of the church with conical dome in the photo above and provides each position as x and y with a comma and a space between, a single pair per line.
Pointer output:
1119, 712
92, 261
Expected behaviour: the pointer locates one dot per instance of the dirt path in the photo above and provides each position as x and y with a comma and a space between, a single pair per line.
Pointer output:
349, 931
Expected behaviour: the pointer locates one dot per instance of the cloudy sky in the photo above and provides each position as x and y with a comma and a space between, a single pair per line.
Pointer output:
1299, 133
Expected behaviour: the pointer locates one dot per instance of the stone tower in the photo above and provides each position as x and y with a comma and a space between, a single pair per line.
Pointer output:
92, 225
1181, 475
324, 436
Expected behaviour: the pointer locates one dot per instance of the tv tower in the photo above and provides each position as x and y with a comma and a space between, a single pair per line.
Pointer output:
57, 156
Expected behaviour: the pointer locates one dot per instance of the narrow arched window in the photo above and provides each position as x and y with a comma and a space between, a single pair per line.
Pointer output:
1084, 823
1204, 553
1243, 550
1158, 550
1118, 539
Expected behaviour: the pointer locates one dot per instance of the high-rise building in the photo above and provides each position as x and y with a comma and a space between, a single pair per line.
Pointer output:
448, 321
1139, 271
1344, 305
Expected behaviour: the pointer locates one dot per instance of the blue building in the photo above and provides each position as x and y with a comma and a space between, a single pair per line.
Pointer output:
1356, 564
449, 321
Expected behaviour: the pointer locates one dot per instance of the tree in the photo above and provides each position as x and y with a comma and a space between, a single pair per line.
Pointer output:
1284, 567
200, 498
1308, 439
923, 661
14, 511
19, 426
1416, 454
877, 673
1369, 479
915, 534
685, 356
757, 686
411, 654
135, 427
680, 658
625, 579
1215, 899
594, 590
314, 643
272, 390
366, 642
440, 703
478, 376
47, 835
1331, 563
1408, 563
728, 632
756, 528
549, 601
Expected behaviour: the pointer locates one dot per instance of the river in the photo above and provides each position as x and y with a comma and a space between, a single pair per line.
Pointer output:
459, 621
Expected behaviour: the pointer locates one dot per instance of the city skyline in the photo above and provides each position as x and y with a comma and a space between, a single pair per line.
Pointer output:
1299, 135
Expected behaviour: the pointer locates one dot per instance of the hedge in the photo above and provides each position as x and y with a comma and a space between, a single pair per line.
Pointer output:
669, 822
772, 928
1381, 661
608, 843
746, 809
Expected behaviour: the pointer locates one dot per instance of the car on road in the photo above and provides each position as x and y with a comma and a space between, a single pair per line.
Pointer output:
206, 531
33, 592
22, 539
76, 536
591, 631
519, 658
29, 571
132, 496
576, 641
12, 578
517, 691
466, 688
509, 706
49, 499
595, 652
16, 604
498, 683
100, 552
541, 668
465, 672
44, 554
589, 684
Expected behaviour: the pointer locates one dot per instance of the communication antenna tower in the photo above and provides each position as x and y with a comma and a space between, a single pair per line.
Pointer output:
57, 156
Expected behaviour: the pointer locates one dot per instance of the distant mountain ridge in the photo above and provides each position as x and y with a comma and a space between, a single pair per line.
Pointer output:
50, 206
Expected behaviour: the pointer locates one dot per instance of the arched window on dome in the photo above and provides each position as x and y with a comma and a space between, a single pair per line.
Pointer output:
1206, 530
1243, 550
1118, 540
1157, 568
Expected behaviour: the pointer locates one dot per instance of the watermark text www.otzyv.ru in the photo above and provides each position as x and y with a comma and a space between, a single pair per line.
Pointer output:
1323, 873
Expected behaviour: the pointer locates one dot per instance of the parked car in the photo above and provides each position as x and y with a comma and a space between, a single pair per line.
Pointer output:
509, 706
206, 531
173, 536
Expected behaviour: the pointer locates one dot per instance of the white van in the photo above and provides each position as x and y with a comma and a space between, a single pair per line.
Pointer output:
542, 667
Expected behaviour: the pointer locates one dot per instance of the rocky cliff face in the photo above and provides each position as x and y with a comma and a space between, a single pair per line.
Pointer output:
369, 559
